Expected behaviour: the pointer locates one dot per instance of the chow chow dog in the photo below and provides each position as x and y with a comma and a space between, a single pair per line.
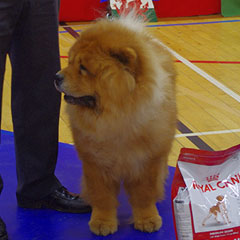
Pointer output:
120, 88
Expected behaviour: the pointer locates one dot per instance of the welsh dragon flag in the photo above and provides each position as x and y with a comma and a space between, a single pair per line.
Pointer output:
144, 8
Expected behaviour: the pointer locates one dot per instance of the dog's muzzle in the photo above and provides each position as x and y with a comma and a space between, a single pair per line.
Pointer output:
58, 81
85, 101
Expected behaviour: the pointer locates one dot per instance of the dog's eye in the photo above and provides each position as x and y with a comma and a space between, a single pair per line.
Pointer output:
82, 68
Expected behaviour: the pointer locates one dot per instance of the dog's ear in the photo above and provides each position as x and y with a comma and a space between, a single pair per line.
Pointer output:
127, 56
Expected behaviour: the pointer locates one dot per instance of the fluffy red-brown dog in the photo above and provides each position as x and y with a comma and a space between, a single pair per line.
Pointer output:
120, 86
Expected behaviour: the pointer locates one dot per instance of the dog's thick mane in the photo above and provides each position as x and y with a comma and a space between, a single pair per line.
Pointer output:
148, 101
132, 21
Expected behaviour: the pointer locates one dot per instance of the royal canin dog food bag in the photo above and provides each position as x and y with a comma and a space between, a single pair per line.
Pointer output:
206, 195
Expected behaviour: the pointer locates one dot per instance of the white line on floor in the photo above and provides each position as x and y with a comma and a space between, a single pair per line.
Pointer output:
207, 133
203, 74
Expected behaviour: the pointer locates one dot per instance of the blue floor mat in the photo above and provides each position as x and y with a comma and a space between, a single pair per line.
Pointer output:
25, 224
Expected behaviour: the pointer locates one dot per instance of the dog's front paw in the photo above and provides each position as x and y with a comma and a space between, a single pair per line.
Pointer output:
150, 224
103, 227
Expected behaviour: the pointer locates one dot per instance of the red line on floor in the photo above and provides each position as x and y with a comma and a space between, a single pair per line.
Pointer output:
197, 61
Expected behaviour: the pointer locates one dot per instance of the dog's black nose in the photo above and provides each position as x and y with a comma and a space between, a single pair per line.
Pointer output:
58, 79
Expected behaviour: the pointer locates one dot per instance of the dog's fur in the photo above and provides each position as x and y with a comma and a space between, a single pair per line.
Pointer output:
120, 86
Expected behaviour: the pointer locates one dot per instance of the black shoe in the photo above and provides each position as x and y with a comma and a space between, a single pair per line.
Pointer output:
60, 200
3, 231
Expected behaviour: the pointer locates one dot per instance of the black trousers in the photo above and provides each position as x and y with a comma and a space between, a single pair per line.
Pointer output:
29, 35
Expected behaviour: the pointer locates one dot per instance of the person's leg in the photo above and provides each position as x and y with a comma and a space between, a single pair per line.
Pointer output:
35, 60
34, 56
2, 70
29, 32
9, 10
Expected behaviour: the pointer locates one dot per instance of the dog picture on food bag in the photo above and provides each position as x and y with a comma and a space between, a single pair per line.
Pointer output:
214, 212
217, 210
120, 89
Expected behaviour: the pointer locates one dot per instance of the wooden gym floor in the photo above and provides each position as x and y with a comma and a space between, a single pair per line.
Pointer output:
206, 52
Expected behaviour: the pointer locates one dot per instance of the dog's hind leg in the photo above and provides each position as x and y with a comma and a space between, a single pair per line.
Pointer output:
101, 191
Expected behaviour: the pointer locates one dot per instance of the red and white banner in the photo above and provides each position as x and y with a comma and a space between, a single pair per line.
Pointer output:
142, 8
